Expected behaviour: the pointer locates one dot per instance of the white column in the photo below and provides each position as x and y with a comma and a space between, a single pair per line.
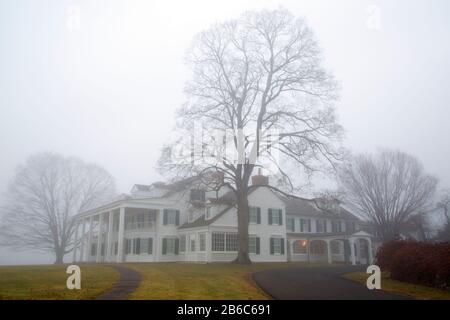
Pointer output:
352, 251
369, 251
121, 234
75, 242
83, 240
89, 244
109, 237
329, 252
99, 238
208, 246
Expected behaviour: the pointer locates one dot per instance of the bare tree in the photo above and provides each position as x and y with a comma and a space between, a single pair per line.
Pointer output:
43, 197
444, 205
254, 76
389, 189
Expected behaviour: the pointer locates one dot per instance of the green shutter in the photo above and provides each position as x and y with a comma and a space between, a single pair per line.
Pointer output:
270, 216
177, 218
164, 246
272, 240
309, 225
280, 212
138, 246
165, 212
258, 250
282, 245
177, 245
258, 215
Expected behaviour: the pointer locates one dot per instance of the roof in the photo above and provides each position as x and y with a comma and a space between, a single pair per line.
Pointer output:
142, 187
202, 222
294, 206
319, 235
308, 207
228, 197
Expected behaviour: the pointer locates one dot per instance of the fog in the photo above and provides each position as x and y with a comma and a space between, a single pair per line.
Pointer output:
101, 80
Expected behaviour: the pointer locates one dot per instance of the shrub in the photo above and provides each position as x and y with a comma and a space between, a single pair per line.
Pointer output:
417, 262
386, 253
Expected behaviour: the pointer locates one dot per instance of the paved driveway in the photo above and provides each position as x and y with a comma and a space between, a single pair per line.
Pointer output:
317, 283
128, 282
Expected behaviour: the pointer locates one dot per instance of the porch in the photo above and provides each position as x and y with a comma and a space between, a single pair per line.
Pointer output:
331, 248
102, 236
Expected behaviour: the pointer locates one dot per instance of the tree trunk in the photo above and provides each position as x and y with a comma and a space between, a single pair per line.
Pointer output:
59, 256
243, 223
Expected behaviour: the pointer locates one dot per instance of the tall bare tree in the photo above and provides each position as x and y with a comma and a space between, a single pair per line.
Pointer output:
43, 197
444, 205
251, 77
389, 189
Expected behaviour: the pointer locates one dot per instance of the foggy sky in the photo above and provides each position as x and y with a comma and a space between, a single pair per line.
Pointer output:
106, 90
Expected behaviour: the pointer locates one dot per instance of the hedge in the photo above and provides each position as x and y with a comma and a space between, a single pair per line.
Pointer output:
416, 262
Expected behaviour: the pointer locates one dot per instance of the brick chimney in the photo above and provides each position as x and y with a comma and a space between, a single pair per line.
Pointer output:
260, 180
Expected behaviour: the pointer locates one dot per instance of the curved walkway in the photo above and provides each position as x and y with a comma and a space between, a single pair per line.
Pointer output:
129, 280
317, 283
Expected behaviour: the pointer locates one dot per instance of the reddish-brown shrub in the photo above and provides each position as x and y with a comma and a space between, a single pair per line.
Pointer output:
386, 253
417, 262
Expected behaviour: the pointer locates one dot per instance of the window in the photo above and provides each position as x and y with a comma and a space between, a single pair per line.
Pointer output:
231, 240
321, 226
102, 249
275, 217
255, 215
170, 246
318, 247
290, 223
202, 240
300, 247
253, 245
350, 226
198, 195
171, 217
140, 220
305, 225
146, 245
224, 242
137, 246
276, 246
335, 247
336, 226
128, 246
218, 242
183, 243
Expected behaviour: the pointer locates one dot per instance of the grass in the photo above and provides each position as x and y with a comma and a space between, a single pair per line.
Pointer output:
402, 288
200, 282
48, 282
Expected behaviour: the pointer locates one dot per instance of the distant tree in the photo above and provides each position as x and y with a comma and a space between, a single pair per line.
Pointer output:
252, 76
43, 197
444, 205
389, 189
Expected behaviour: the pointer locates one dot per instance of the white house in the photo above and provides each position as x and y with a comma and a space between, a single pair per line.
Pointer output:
180, 222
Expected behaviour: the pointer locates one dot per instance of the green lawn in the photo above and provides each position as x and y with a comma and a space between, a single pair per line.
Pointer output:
160, 281
402, 288
198, 281
44, 282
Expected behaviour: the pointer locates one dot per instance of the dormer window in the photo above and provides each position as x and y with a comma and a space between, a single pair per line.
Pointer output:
208, 213
197, 195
